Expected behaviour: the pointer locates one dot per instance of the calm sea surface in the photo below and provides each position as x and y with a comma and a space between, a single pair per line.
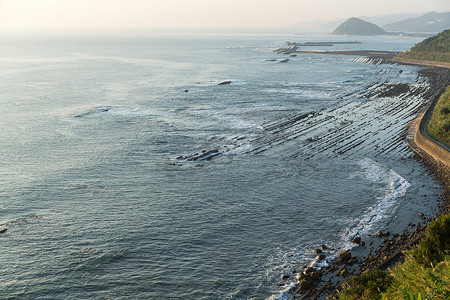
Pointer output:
105, 190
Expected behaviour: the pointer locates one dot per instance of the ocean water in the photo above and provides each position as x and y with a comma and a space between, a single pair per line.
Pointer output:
118, 184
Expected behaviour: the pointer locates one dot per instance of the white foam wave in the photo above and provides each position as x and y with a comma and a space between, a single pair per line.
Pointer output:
310, 94
395, 188
287, 293
112, 110
221, 82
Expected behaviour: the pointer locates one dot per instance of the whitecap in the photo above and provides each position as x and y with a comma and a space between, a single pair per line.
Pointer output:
395, 188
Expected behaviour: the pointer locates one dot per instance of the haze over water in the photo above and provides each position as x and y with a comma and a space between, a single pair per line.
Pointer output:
106, 192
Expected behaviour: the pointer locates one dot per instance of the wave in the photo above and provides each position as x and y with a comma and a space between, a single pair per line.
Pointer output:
229, 115
221, 82
113, 110
395, 187
310, 94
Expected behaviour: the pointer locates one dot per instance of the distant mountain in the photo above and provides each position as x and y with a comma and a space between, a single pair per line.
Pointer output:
331, 24
355, 26
434, 48
431, 22
383, 20
318, 24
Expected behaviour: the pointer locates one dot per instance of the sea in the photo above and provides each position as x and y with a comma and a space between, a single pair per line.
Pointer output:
194, 164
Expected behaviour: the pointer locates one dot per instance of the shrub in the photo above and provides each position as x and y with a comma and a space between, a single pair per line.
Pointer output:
438, 126
366, 286
436, 243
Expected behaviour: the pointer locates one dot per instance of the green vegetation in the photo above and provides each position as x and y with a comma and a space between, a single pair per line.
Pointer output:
425, 274
438, 126
367, 285
413, 280
435, 48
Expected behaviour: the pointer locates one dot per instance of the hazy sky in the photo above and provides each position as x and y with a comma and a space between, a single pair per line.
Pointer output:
195, 13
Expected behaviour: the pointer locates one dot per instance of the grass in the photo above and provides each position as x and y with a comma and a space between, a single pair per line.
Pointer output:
366, 286
425, 273
438, 126
413, 280
431, 56
435, 48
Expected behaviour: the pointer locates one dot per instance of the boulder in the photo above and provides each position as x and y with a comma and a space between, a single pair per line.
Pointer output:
315, 276
343, 272
285, 276
344, 256
356, 240
301, 276
305, 285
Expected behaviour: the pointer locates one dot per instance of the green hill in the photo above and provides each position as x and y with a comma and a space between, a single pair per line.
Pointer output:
434, 48
355, 26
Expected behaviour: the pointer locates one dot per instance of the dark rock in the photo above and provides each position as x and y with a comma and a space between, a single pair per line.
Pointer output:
385, 240
186, 91
322, 256
387, 233
317, 251
305, 285
379, 234
356, 240
285, 276
224, 82
421, 215
343, 272
284, 60
362, 244
310, 270
352, 261
324, 247
344, 256
315, 276
3, 230
301, 276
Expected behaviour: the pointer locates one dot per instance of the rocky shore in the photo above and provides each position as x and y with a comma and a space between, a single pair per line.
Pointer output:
385, 249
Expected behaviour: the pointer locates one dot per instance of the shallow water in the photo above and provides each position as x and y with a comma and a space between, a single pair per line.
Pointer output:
106, 192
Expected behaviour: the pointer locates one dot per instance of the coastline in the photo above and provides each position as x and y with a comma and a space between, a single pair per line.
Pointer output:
327, 282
